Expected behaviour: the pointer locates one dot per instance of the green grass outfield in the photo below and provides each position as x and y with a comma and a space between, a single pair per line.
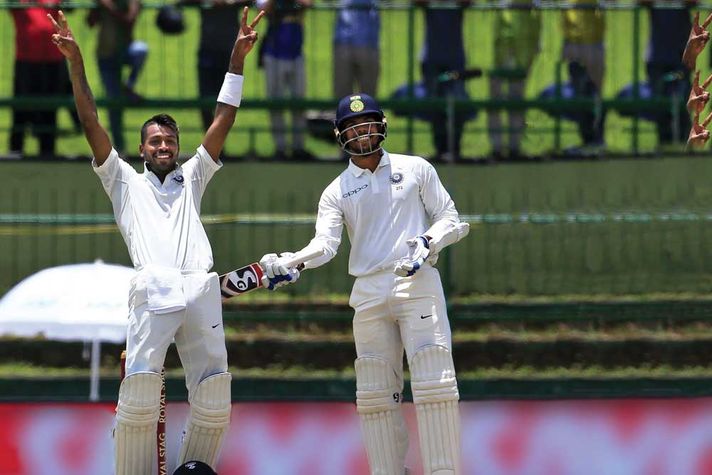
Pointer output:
171, 73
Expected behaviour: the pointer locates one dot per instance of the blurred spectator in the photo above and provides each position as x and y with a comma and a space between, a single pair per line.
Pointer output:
281, 55
40, 70
444, 52
115, 49
583, 29
356, 55
668, 77
219, 22
516, 44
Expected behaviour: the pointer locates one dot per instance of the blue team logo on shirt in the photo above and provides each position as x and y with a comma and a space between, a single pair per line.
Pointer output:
178, 179
396, 178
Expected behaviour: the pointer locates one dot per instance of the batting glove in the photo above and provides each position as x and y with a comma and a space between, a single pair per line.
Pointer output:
276, 273
417, 255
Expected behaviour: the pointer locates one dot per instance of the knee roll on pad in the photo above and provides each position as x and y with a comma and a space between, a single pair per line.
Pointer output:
435, 394
378, 404
137, 413
208, 421
432, 375
376, 385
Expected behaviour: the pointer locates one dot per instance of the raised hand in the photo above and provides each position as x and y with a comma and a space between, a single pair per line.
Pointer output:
699, 96
63, 37
699, 36
699, 135
247, 36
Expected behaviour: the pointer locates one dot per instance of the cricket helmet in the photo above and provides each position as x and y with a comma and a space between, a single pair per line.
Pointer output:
194, 468
357, 105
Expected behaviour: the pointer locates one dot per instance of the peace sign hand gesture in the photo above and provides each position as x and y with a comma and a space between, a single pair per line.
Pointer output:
697, 40
246, 37
699, 135
699, 96
63, 38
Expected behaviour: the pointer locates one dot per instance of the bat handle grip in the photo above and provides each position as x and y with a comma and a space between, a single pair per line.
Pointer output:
300, 258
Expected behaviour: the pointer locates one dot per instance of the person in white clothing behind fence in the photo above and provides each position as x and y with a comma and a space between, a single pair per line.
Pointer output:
173, 295
398, 217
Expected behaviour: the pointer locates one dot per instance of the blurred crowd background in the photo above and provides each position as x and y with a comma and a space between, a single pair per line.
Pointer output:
461, 81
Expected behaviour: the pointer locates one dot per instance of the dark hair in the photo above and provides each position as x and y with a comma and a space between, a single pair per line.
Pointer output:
160, 119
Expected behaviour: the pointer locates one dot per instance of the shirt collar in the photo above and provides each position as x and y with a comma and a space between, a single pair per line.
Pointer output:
358, 171
175, 175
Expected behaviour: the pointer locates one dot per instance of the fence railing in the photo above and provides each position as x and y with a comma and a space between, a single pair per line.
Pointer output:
556, 229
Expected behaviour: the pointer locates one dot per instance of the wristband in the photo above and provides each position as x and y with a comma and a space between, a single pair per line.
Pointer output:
231, 90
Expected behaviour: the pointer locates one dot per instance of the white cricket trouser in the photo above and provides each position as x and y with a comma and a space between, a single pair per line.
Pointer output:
394, 313
198, 330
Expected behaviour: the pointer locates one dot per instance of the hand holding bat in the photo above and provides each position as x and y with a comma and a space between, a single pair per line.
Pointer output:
254, 276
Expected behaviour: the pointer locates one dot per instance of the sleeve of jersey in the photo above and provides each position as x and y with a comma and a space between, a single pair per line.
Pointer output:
438, 204
329, 225
113, 173
200, 168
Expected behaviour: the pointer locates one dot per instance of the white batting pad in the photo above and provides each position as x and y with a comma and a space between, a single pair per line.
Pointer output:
435, 395
208, 421
378, 404
135, 430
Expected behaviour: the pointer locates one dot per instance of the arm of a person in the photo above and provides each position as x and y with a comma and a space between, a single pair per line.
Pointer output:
446, 227
225, 112
329, 226
132, 12
83, 98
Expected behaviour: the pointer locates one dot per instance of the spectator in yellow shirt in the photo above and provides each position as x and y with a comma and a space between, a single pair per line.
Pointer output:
516, 44
583, 50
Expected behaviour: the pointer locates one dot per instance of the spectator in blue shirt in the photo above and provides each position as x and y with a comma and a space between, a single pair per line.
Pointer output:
281, 56
355, 54
444, 51
668, 76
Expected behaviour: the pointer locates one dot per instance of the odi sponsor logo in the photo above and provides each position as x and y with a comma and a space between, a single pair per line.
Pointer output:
355, 191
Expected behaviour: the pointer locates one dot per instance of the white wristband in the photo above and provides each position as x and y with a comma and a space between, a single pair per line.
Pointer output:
231, 90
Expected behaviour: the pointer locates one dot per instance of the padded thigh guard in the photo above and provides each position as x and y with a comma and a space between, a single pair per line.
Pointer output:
135, 430
208, 421
378, 404
436, 398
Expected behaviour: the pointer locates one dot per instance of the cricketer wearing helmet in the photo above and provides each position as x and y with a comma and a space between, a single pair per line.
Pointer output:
173, 295
398, 217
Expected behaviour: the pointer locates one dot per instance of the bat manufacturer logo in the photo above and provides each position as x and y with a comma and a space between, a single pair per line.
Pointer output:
244, 280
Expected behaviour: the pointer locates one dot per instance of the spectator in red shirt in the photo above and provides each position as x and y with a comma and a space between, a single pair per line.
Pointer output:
40, 70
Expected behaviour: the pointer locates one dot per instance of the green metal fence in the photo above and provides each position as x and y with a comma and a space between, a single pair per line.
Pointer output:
620, 227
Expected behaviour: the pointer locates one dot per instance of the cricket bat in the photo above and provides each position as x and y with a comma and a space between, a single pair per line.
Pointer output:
249, 277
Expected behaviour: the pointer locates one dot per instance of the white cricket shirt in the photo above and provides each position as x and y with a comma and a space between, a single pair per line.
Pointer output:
160, 222
381, 210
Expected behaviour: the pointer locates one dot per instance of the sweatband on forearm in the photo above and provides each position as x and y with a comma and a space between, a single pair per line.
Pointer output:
231, 90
